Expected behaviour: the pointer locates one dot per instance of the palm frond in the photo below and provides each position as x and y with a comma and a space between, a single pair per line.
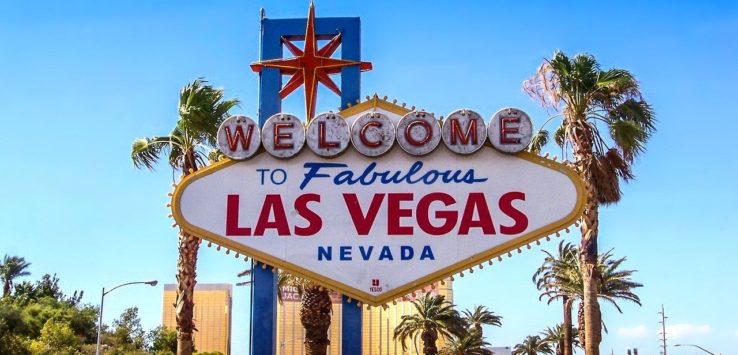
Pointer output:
632, 123
202, 109
215, 155
616, 78
585, 73
433, 313
539, 140
532, 344
560, 135
629, 136
145, 152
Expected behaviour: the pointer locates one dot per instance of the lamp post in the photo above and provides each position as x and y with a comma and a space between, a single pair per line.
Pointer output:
696, 346
102, 302
246, 272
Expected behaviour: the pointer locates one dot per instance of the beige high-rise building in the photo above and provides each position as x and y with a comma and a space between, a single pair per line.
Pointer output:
212, 315
377, 329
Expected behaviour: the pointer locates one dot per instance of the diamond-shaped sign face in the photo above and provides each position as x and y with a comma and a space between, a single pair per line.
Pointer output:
379, 228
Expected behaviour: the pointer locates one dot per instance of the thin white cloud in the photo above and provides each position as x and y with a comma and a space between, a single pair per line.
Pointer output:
676, 331
736, 333
638, 331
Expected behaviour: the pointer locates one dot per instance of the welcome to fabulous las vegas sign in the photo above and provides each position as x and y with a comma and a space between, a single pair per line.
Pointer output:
377, 201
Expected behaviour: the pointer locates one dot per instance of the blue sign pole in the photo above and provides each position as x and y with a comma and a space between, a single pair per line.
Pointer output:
351, 327
264, 289
263, 335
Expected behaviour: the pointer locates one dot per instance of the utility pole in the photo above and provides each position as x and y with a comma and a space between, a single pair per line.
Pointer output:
663, 329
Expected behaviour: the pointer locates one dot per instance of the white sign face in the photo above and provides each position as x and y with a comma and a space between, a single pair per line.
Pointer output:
378, 229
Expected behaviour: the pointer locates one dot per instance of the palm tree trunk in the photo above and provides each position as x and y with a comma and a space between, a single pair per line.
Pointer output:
186, 280
186, 277
315, 315
580, 322
567, 346
429, 338
591, 279
582, 149
7, 286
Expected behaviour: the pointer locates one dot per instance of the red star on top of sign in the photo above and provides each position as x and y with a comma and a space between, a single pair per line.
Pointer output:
310, 65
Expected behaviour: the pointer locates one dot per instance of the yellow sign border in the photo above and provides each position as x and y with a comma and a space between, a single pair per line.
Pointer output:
402, 290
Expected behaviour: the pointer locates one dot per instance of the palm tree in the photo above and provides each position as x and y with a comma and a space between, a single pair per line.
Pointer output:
201, 110
480, 316
555, 281
471, 343
615, 285
592, 103
532, 345
12, 268
556, 337
561, 277
434, 316
315, 311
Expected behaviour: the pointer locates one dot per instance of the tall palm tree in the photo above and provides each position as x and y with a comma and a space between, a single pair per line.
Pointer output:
593, 104
556, 337
201, 111
315, 311
434, 317
532, 345
555, 281
12, 268
481, 316
471, 343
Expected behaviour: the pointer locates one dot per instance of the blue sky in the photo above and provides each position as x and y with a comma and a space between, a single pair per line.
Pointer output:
83, 78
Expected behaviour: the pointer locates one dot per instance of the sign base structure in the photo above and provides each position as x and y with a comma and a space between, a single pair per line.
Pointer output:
379, 228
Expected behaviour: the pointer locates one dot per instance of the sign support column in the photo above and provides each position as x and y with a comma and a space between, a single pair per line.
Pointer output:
264, 290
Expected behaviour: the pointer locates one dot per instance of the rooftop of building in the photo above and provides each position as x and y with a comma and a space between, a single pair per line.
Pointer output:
203, 287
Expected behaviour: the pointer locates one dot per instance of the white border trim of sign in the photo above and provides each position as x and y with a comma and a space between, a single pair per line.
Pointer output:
405, 289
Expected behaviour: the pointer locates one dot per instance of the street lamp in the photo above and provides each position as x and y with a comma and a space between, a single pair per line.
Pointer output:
246, 272
696, 346
102, 301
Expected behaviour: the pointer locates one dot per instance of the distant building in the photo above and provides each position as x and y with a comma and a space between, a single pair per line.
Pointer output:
501, 350
377, 329
212, 315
